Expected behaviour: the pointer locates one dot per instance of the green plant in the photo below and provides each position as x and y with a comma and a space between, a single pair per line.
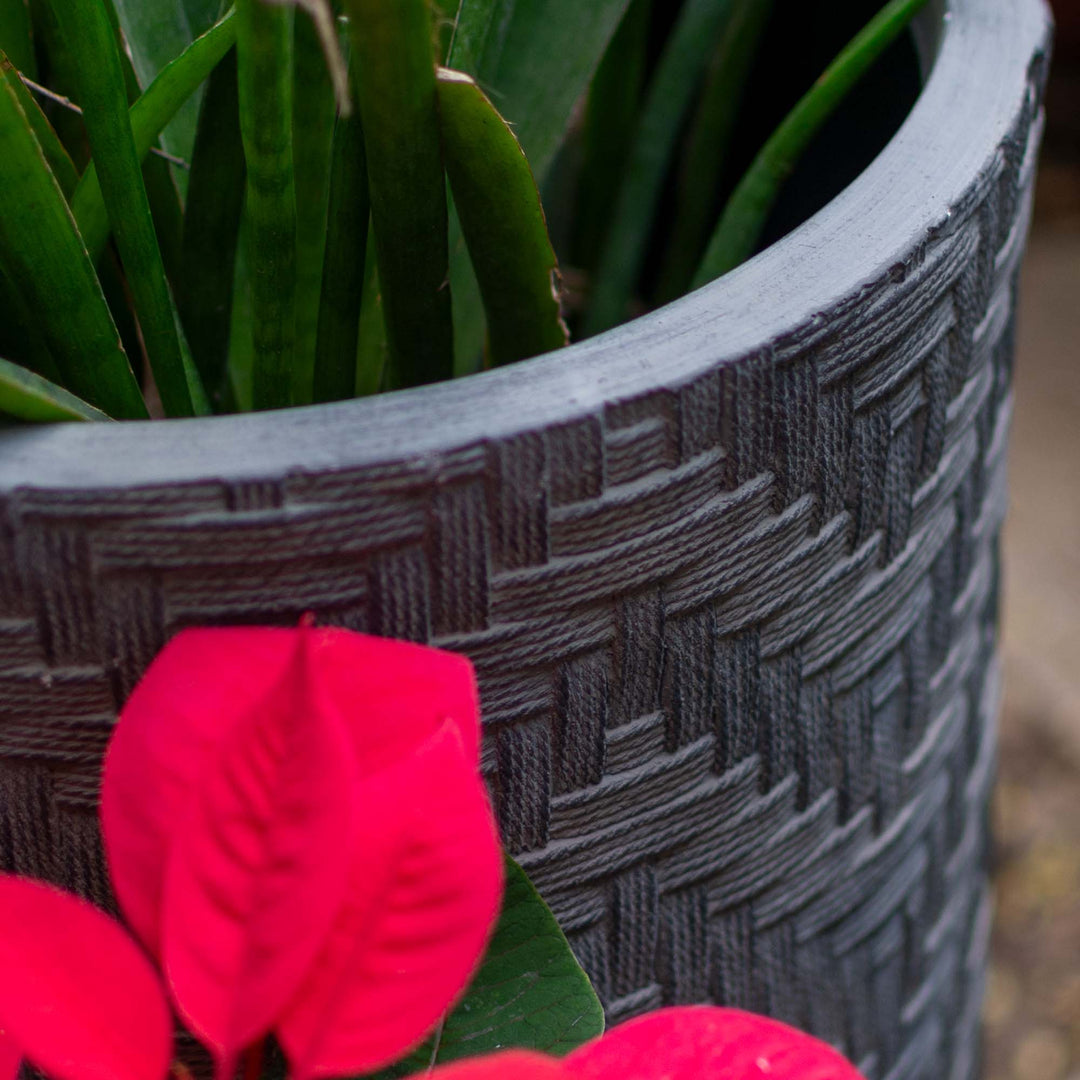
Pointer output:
215, 210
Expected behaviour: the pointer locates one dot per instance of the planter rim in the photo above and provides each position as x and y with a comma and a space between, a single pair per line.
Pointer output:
780, 296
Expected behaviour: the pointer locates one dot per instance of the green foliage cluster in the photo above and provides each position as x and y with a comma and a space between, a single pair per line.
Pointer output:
292, 201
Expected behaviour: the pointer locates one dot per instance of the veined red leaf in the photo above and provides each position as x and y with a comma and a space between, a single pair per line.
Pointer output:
421, 901
509, 1065
258, 874
10, 1057
77, 998
395, 695
706, 1043
391, 695
197, 688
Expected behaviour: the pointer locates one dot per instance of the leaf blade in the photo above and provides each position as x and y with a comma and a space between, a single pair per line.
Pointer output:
264, 65
395, 80
45, 258
668, 97
743, 218
148, 116
503, 223
105, 112
25, 395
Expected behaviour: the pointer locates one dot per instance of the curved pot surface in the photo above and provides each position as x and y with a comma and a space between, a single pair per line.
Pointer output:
728, 574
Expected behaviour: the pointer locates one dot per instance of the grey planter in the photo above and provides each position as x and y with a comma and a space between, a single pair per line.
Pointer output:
729, 576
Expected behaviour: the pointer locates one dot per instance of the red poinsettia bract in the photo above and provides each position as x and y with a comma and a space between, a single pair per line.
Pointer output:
78, 997
296, 828
693, 1042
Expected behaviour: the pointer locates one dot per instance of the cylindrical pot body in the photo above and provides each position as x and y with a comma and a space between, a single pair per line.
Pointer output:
728, 575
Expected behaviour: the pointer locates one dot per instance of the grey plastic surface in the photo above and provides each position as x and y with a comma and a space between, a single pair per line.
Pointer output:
728, 574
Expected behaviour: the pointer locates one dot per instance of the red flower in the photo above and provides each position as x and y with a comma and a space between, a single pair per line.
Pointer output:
688, 1043
296, 827
77, 997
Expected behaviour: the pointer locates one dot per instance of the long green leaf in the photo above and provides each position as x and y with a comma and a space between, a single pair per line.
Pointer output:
212, 228
313, 136
530, 992
747, 210
536, 59
21, 337
669, 96
372, 348
26, 396
395, 67
503, 222
264, 57
56, 155
148, 116
343, 267
103, 97
704, 157
611, 116
16, 39
156, 32
45, 258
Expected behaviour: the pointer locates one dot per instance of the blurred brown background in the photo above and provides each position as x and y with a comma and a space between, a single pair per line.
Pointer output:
1033, 1000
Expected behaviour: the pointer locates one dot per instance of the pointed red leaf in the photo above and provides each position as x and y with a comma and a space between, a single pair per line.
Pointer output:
509, 1065
78, 997
10, 1057
201, 683
391, 695
258, 873
423, 895
705, 1043
394, 695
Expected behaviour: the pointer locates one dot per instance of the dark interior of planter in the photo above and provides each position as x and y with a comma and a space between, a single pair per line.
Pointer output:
800, 42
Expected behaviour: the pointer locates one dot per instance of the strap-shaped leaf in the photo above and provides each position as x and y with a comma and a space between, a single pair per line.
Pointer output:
344, 264
215, 200
737, 233
503, 222
148, 116
313, 140
537, 56
103, 97
155, 34
56, 154
44, 257
264, 61
395, 79
669, 96
25, 395
704, 158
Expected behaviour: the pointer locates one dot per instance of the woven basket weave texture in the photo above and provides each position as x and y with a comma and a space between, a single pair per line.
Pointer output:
735, 640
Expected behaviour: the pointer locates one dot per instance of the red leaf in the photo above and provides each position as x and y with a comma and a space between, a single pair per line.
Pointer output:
10, 1057
705, 1043
392, 696
258, 873
423, 895
198, 687
77, 997
508, 1065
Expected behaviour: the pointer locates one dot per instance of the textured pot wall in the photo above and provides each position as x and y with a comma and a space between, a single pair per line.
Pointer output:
729, 577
